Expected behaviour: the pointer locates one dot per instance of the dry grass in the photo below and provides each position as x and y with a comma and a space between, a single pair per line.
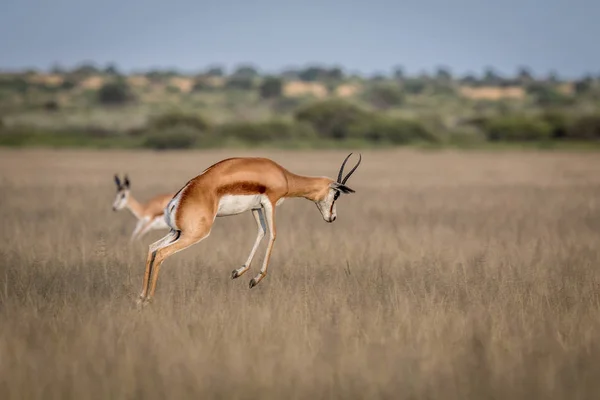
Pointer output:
446, 276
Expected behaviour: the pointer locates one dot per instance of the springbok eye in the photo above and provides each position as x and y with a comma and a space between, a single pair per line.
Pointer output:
336, 195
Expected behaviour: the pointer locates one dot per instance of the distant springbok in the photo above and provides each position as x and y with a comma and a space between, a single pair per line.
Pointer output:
150, 215
231, 187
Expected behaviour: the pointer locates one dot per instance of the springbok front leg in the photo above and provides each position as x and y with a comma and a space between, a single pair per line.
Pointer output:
152, 224
138, 227
171, 237
269, 213
260, 223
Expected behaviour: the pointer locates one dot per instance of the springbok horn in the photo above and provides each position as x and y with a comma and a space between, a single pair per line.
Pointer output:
339, 179
352, 170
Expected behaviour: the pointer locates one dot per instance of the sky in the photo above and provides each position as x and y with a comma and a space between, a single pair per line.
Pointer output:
360, 36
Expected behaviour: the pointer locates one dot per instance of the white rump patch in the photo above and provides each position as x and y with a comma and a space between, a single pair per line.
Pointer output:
171, 210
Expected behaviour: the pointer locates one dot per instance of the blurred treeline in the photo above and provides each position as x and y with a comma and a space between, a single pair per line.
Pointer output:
305, 107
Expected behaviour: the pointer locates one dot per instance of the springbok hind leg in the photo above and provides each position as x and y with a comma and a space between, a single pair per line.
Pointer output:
166, 247
171, 237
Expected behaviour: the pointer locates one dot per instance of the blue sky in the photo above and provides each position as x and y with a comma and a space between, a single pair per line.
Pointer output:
363, 36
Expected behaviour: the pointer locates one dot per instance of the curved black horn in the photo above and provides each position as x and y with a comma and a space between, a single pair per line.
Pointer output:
339, 179
353, 169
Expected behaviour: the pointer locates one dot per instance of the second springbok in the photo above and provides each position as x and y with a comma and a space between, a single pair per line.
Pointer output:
233, 186
150, 215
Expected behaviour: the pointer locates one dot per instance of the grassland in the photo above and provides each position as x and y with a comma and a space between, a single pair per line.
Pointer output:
448, 275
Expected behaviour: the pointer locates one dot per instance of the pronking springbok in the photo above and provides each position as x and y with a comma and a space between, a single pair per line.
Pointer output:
233, 186
150, 215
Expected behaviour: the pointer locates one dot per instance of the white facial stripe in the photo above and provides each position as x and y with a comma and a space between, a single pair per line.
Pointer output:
121, 199
327, 206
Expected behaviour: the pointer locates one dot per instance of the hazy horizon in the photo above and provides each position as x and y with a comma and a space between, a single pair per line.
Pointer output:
360, 38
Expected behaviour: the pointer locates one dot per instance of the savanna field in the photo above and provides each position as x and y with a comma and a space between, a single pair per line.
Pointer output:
447, 275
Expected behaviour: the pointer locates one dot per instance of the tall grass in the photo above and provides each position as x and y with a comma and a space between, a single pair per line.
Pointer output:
446, 276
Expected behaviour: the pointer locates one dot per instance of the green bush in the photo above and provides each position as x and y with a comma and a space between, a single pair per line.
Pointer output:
268, 131
240, 83
51, 105
559, 123
271, 88
517, 128
178, 119
332, 119
286, 105
68, 84
547, 95
465, 137
414, 86
201, 85
114, 93
384, 96
379, 128
176, 137
14, 83
586, 127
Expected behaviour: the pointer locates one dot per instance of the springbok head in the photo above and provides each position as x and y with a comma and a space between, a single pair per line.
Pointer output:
327, 204
122, 193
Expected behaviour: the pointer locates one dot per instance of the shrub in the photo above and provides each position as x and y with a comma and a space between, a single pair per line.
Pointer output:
584, 85
559, 123
414, 86
517, 128
392, 130
465, 137
114, 93
547, 95
51, 105
68, 84
257, 132
177, 137
239, 83
331, 119
202, 85
586, 127
286, 104
14, 83
178, 119
271, 88
385, 96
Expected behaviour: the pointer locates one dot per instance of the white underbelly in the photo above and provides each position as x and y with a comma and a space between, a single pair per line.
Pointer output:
231, 205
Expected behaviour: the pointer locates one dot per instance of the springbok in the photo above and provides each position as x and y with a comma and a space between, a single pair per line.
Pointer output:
233, 186
150, 215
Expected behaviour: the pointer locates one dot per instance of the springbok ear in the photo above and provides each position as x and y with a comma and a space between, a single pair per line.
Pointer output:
126, 181
117, 181
341, 187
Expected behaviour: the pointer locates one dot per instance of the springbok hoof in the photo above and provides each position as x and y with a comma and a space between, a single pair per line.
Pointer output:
253, 282
235, 274
142, 302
